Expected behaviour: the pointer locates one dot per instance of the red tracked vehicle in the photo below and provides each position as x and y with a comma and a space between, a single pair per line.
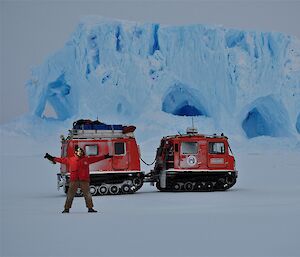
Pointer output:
189, 162
119, 174
193, 162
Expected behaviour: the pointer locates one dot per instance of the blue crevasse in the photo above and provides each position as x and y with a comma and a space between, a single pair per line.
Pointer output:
155, 42
118, 39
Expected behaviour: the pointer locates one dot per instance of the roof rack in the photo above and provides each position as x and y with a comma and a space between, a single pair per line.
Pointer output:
97, 134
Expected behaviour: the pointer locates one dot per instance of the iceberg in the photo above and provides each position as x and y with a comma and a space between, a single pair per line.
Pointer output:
245, 82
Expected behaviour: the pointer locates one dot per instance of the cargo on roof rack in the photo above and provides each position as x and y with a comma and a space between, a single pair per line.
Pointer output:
87, 129
95, 125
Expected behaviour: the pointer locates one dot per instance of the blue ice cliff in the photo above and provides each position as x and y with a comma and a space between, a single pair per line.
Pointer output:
242, 82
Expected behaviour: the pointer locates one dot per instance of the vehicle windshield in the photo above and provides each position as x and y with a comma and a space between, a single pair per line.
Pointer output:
189, 147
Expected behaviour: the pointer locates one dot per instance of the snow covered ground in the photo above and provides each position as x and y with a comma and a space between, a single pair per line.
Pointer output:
259, 216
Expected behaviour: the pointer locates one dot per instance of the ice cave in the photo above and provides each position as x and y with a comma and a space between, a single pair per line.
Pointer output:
57, 97
182, 101
266, 117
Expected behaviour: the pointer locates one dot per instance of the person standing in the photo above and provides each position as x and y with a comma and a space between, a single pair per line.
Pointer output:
79, 175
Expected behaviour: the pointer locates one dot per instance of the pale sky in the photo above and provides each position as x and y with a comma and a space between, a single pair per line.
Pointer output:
32, 30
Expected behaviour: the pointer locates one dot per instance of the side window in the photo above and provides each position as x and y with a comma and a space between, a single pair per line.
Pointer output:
216, 148
119, 148
91, 150
189, 148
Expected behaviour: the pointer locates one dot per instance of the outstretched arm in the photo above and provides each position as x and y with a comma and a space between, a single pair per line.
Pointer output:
61, 160
54, 160
93, 159
50, 158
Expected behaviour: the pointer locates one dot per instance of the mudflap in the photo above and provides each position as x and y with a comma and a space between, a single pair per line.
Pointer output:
163, 179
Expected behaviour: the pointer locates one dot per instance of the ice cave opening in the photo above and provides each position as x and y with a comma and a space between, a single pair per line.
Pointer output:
57, 97
187, 110
182, 101
266, 117
256, 125
49, 112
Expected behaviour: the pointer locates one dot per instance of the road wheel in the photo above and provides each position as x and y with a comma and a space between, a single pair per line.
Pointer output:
113, 189
137, 182
220, 185
230, 180
126, 189
93, 190
209, 186
103, 190
176, 187
199, 186
188, 186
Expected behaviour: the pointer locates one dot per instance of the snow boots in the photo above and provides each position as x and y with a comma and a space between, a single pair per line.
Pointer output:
89, 210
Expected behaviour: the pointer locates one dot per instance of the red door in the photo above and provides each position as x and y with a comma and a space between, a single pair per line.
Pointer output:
217, 155
120, 156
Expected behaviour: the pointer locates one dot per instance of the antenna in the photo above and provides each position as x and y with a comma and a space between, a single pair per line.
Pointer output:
192, 130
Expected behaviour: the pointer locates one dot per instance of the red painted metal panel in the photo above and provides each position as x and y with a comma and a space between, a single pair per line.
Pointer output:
201, 158
218, 160
128, 161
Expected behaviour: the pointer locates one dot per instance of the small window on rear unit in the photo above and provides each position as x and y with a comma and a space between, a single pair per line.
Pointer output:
91, 150
119, 148
216, 148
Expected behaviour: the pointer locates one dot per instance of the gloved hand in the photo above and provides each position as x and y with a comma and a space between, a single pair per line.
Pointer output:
107, 156
50, 158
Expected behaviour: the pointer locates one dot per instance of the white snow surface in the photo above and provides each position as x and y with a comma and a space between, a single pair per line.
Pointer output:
259, 216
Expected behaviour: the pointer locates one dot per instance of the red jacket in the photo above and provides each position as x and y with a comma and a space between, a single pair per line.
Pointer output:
79, 166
